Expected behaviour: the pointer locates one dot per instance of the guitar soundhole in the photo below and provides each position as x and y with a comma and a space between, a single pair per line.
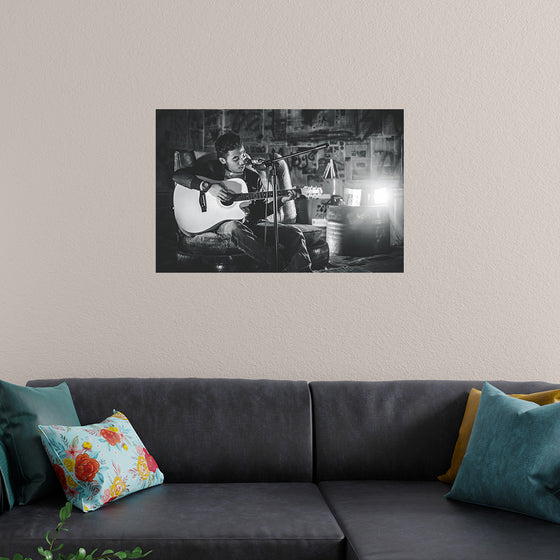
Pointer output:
227, 203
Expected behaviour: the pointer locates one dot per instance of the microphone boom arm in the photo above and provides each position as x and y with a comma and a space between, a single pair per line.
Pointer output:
270, 162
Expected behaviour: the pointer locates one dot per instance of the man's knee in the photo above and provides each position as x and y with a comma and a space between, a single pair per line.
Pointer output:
292, 236
228, 229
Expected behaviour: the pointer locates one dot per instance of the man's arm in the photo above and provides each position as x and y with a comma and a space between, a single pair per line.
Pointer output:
187, 178
206, 166
260, 209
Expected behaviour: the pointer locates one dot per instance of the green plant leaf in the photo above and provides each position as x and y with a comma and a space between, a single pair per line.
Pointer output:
46, 554
64, 514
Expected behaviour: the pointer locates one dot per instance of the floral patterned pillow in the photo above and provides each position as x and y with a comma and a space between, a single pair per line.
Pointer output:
99, 463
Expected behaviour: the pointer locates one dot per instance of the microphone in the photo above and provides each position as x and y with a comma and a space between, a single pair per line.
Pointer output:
257, 163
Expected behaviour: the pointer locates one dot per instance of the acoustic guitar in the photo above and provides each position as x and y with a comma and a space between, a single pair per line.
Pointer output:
192, 218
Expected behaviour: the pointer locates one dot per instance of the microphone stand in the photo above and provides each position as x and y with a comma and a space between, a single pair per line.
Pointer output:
273, 177
273, 174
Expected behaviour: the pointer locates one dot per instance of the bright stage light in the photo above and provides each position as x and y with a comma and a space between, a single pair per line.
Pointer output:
381, 195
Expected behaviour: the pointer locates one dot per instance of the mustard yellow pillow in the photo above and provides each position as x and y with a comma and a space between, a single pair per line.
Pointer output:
541, 398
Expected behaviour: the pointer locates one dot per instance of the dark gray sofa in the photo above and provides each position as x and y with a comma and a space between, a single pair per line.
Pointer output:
289, 470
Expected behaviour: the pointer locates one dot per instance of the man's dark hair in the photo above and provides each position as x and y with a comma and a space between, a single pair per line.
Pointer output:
226, 142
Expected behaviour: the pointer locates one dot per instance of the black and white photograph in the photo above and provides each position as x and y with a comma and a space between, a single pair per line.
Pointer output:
279, 190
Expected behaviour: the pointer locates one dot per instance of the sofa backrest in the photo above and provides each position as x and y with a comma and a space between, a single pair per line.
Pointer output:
208, 430
401, 430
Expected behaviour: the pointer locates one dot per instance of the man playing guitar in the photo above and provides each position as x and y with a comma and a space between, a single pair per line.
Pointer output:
250, 232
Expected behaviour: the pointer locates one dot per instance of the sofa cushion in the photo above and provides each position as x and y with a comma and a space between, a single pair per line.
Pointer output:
21, 410
194, 522
513, 457
411, 520
99, 463
401, 430
209, 430
541, 398
7, 495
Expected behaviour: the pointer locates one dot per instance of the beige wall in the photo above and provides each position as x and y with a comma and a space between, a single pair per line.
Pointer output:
479, 84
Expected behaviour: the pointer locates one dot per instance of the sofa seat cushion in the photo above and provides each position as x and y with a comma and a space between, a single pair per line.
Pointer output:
413, 521
194, 522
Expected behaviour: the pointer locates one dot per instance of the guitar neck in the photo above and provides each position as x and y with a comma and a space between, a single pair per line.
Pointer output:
259, 195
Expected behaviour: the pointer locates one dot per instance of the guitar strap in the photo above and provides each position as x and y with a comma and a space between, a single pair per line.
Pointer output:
202, 201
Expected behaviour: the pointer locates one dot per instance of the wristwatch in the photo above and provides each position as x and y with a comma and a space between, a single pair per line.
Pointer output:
204, 186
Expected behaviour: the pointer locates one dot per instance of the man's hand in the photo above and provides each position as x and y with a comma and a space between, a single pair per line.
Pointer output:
291, 196
220, 192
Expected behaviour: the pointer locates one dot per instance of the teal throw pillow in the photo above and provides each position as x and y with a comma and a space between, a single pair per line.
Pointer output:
100, 463
513, 457
7, 497
21, 410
